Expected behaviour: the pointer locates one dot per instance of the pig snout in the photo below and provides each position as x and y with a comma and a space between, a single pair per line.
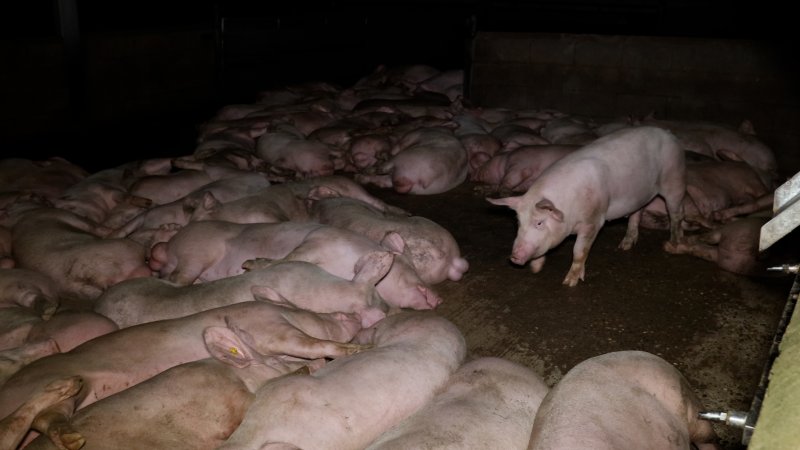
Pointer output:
520, 255
457, 269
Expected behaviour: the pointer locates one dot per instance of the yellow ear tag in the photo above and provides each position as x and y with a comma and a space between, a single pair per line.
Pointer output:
233, 351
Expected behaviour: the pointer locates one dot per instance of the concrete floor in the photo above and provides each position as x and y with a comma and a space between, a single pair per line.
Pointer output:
714, 326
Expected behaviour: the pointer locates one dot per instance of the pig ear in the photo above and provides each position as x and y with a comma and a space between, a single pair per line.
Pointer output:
548, 206
209, 202
266, 293
225, 345
511, 202
394, 242
257, 263
372, 267
320, 192
727, 155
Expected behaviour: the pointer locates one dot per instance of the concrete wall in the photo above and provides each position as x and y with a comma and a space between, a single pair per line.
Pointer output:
681, 78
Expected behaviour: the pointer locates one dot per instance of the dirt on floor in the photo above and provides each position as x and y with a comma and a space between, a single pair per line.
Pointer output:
716, 327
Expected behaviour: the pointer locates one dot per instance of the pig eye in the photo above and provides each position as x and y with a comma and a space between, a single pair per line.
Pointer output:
539, 224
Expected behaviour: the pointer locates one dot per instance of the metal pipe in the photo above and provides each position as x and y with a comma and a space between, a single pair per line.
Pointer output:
785, 268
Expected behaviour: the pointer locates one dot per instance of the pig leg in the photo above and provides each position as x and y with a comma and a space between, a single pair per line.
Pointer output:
580, 252
632, 233
537, 264
762, 203
14, 427
674, 201
384, 181
55, 423
700, 245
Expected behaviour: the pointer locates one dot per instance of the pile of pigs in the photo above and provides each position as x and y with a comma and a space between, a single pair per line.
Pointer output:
253, 294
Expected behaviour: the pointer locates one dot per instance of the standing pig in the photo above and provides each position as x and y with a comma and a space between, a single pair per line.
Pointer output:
614, 176
352, 400
487, 403
621, 400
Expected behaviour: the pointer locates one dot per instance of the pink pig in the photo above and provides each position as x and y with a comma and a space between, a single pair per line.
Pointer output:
615, 176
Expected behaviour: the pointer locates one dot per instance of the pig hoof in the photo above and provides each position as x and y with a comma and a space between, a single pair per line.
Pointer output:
73, 441
66, 387
66, 438
627, 243
676, 248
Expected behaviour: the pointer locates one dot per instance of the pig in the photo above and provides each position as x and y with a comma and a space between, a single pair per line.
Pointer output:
339, 133
30, 289
116, 361
352, 400
48, 178
569, 130
516, 170
733, 246
212, 249
513, 136
275, 203
166, 411
615, 176
298, 283
625, 399
487, 403
67, 248
194, 204
431, 161
717, 185
13, 359
430, 247
473, 132
97, 195
368, 150
711, 187
306, 285
288, 201
722, 141
286, 150
71, 328
15, 426
337, 250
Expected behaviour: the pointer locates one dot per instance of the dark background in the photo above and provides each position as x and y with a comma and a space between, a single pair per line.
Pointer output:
133, 79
